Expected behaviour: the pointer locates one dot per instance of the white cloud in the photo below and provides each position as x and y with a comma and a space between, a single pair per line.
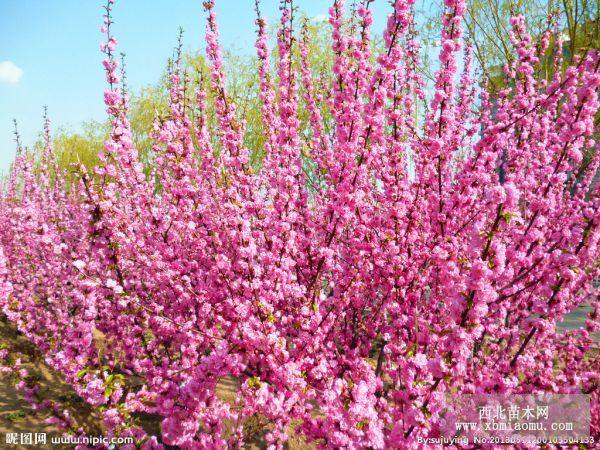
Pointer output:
10, 73
320, 18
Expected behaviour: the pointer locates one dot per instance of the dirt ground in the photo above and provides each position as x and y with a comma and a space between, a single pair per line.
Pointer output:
17, 420
20, 422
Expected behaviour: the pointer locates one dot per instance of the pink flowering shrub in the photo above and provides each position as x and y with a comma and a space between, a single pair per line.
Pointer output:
377, 261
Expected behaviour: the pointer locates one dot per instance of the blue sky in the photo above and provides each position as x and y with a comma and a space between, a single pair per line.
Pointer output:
49, 52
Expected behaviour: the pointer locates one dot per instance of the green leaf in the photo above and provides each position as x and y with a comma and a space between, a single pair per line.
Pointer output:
363, 423
254, 382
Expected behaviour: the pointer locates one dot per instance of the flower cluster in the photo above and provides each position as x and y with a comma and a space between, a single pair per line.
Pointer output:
378, 260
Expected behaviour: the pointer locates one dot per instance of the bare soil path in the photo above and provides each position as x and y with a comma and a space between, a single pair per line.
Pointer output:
20, 423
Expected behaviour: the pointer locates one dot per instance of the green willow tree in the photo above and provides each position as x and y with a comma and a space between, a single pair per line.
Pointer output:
150, 104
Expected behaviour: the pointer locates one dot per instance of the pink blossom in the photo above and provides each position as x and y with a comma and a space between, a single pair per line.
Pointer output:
391, 246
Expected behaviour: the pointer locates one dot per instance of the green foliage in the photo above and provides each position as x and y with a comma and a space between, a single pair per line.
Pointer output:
151, 104
82, 147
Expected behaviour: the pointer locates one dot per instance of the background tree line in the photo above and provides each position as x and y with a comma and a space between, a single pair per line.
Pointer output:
487, 28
